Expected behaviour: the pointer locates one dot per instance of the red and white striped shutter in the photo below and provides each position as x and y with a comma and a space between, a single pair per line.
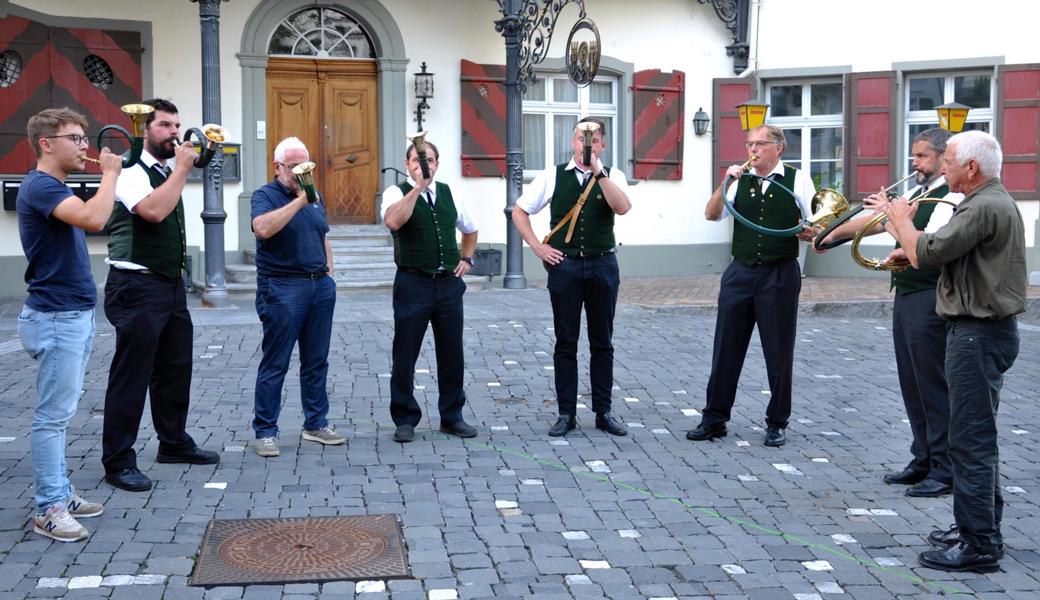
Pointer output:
483, 120
657, 101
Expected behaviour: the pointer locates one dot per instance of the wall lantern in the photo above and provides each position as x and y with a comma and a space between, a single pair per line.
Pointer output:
700, 122
952, 116
752, 113
423, 92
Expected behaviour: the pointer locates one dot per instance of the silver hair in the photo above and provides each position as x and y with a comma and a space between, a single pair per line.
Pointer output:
775, 134
981, 147
289, 143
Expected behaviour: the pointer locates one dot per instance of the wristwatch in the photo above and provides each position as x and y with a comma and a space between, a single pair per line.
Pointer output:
600, 175
468, 259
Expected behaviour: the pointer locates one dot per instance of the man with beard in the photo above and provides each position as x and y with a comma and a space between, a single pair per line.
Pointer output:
145, 302
918, 333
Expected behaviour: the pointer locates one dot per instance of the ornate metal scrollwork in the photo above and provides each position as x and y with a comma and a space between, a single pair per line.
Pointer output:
535, 23
734, 15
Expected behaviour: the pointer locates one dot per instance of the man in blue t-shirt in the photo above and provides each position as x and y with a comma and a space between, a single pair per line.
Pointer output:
295, 299
56, 324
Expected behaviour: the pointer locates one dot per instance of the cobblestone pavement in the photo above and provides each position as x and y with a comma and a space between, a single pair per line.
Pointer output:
514, 513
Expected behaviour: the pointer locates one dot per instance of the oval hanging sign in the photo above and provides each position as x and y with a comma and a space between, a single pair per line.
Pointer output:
583, 52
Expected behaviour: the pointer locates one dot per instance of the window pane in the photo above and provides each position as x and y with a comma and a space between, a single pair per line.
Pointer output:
564, 91
826, 174
926, 93
980, 126
972, 90
825, 143
534, 142
826, 99
563, 129
916, 129
601, 92
785, 101
793, 150
535, 90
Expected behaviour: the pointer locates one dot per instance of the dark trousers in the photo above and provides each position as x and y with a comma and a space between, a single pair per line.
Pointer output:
765, 295
592, 283
153, 356
419, 302
978, 353
919, 336
291, 311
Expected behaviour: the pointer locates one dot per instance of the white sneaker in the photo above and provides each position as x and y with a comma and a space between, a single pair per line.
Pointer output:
80, 508
326, 435
267, 446
59, 525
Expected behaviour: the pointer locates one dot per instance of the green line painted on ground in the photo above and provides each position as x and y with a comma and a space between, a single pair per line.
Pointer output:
710, 512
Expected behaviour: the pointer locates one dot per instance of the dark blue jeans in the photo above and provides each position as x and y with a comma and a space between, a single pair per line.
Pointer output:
919, 338
421, 301
592, 283
978, 353
291, 311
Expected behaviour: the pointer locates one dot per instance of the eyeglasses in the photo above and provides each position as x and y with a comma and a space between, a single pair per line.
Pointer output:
75, 137
290, 167
750, 145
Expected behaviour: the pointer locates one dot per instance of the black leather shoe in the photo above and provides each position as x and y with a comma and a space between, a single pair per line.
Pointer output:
907, 476
706, 432
562, 425
195, 456
459, 428
962, 557
775, 437
929, 488
129, 479
404, 433
607, 422
944, 539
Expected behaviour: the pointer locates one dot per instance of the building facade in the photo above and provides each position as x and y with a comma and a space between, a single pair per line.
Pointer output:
848, 83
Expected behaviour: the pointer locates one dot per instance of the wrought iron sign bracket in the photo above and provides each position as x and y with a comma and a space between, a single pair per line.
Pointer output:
734, 14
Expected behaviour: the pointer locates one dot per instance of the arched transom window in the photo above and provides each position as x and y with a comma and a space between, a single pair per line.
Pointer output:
320, 32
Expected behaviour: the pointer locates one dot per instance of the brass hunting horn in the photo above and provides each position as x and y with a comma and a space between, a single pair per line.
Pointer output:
419, 141
138, 113
818, 242
877, 264
304, 173
213, 135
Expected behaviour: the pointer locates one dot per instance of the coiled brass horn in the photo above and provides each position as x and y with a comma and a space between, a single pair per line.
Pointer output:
138, 114
588, 128
827, 205
818, 242
212, 136
877, 264
304, 173
419, 141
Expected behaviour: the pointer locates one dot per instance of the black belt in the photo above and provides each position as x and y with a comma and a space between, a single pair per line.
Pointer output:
315, 275
426, 274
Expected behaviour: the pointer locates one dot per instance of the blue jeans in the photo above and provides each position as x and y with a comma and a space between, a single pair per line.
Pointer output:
978, 353
61, 342
293, 310
592, 283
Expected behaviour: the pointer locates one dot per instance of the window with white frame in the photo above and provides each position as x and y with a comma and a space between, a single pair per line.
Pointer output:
810, 113
927, 91
553, 105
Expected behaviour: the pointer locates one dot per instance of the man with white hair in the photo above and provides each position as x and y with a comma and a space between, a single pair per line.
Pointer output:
295, 299
981, 288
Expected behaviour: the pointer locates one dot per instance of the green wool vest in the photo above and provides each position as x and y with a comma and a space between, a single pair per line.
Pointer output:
776, 209
427, 241
594, 231
913, 280
161, 247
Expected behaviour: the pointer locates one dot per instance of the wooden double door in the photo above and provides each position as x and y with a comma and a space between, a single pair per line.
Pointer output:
331, 105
